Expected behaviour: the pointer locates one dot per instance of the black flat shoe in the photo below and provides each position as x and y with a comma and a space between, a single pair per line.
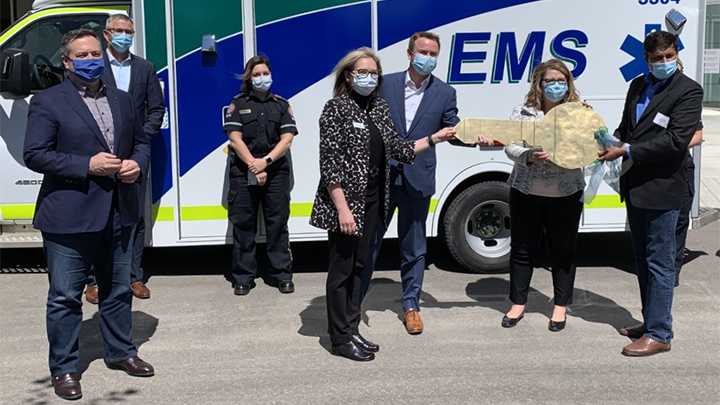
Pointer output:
511, 322
557, 326
352, 351
365, 344
244, 288
286, 287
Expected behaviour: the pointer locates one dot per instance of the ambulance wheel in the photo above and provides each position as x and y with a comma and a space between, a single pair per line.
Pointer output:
477, 227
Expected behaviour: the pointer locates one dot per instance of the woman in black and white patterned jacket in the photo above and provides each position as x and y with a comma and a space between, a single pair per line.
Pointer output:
357, 141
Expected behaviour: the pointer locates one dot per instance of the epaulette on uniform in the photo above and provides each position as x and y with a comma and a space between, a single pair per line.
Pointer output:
238, 96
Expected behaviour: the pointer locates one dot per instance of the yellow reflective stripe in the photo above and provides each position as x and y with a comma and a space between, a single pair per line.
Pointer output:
163, 214
606, 201
203, 213
301, 209
433, 205
40, 14
20, 211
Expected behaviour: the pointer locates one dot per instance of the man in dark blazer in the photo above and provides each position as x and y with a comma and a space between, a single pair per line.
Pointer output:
420, 105
87, 141
137, 76
661, 113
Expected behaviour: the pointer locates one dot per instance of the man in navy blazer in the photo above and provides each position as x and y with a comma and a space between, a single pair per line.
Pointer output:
87, 141
137, 76
420, 105
661, 113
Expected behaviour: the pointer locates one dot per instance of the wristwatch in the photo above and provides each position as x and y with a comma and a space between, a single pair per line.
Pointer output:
268, 160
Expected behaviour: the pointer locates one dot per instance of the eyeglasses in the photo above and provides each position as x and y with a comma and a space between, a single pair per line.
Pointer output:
121, 31
363, 73
554, 82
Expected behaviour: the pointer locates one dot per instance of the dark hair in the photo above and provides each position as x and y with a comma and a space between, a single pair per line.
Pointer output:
246, 87
422, 34
73, 35
659, 40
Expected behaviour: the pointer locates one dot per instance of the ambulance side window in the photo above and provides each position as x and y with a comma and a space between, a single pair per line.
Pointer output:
41, 40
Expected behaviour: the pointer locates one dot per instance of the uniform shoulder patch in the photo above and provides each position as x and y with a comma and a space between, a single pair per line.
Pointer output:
230, 109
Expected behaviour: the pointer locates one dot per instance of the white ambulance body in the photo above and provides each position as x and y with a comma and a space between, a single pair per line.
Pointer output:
488, 50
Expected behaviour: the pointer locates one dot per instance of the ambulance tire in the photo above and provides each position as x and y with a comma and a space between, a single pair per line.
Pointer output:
477, 227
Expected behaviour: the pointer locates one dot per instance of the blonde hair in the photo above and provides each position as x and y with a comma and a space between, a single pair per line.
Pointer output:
347, 64
535, 96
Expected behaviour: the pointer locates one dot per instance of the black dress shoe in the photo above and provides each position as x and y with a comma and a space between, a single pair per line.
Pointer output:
286, 287
365, 344
510, 322
133, 366
244, 288
67, 386
352, 351
557, 326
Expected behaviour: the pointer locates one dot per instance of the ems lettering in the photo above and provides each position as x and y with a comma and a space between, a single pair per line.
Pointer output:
516, 59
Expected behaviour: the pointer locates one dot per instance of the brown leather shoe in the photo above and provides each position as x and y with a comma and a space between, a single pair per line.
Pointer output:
645, 347
134, 366
140, 290
413, 323
67, 386
91, 294
637, 331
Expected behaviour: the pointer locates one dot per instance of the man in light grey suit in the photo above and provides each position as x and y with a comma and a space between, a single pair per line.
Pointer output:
420, 105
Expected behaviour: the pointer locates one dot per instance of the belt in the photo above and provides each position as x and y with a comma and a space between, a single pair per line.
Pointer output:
400, 166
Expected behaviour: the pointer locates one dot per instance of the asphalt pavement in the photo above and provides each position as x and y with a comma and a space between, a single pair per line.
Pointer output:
211, 347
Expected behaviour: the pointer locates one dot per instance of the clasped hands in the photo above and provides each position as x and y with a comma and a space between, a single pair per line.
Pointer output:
257, 167
107, 164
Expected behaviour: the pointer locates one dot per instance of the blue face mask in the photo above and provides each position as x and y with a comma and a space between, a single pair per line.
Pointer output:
364, 86
424, 64
121, 42
664, 70
555, 91
90, 70
262, 83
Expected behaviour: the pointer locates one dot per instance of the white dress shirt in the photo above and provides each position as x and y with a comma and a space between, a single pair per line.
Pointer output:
413, 97
121, 71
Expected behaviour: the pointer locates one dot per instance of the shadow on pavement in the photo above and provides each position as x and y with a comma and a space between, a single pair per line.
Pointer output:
589, 306
91, 341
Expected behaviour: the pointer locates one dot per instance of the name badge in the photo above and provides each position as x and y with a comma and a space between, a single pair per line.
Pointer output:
358, 125
247, 111
661, 120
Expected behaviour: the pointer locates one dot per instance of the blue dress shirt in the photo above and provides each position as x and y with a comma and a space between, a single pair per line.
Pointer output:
121, 71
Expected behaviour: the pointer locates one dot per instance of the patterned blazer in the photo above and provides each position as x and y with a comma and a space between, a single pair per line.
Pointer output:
345, 157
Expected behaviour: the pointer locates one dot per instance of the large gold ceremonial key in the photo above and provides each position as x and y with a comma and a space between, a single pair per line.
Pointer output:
566, 133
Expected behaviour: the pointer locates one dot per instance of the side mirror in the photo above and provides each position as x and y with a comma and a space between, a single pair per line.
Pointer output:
14, 74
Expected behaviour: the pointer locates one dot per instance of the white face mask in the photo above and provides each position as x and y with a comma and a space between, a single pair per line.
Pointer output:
262, 83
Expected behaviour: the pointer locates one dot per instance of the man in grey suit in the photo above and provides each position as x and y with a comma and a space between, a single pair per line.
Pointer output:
136, 76
420, 105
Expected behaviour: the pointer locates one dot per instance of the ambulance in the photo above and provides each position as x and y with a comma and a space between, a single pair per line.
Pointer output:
488, 51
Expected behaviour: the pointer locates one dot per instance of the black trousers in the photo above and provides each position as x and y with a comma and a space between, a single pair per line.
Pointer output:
347, 257
244, 201
560, 218
683, 222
